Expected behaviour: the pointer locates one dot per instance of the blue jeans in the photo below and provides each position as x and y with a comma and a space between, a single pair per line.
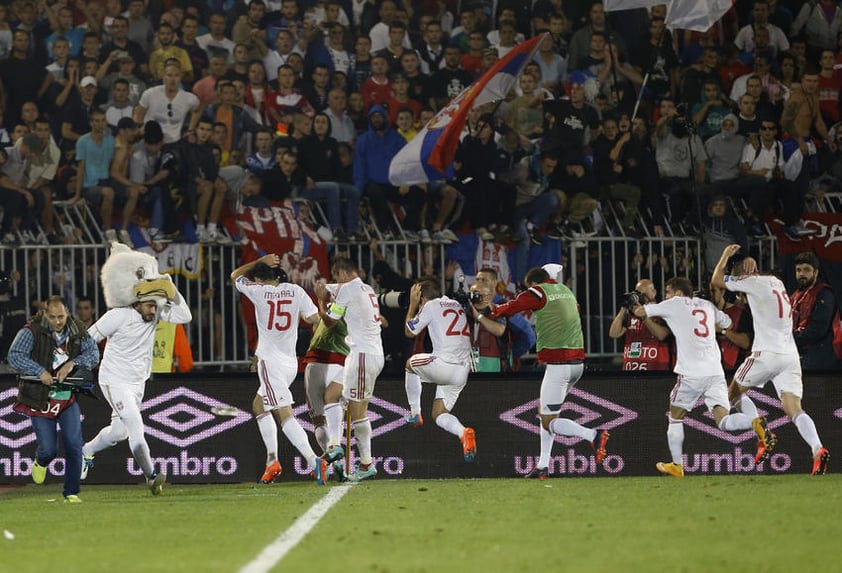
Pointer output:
351, 195
326, 192
71, 435
538, 211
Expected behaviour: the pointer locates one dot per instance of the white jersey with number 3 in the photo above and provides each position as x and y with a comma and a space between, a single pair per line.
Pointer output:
448, 327
693, 322
770, 311
277, 310
357, 303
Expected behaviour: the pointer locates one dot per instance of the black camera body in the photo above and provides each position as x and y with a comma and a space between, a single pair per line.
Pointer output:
632, 298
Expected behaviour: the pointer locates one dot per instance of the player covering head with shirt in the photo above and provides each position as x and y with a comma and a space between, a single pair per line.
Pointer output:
278, 306
448, 365
774, 355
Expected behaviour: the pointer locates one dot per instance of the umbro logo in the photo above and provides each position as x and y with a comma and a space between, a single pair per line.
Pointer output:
15, 429
183, 417
766, 406
384, 417
582, 407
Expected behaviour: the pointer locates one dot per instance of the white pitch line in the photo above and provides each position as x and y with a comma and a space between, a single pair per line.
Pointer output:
287, 540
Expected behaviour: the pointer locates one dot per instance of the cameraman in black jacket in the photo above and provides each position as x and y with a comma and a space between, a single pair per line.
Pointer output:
51, 347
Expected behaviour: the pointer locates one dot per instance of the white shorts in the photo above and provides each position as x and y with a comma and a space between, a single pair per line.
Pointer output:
361, 372
317, 377
784, 370
125, 400
558, 380
450, 378
688, 389
275, 380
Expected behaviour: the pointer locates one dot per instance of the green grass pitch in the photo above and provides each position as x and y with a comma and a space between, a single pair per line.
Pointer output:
720, 523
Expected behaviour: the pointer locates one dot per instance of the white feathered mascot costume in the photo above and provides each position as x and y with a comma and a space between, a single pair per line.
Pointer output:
131, 276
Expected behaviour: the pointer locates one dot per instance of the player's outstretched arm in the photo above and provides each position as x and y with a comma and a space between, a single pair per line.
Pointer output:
718, 278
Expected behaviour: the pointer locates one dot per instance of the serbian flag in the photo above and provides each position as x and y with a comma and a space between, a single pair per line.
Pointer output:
429, 155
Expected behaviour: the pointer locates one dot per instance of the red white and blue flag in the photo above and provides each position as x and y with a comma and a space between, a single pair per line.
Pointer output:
429, 155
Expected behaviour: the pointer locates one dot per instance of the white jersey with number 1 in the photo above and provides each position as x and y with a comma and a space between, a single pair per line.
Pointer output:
448, 327
357, 303
277, 310
770, 311
693, 322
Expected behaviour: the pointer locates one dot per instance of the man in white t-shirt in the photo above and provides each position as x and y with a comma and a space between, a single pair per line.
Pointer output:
774, 355
169, 105
126, 366
448, 365
694, 322
351, 298
278, 306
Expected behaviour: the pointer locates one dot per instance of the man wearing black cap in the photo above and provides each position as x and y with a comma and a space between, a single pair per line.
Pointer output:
151, 169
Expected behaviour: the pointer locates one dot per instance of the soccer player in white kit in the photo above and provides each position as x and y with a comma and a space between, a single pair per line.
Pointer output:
447, 366
774, 354
355, 301
126, 366
698, 367
277, 309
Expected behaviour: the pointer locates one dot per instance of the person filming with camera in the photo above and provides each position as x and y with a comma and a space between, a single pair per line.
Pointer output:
766, 159
645, 346
491, 343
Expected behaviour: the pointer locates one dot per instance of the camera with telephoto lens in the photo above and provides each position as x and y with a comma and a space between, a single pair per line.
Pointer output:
632, 298
394, 299
465, 297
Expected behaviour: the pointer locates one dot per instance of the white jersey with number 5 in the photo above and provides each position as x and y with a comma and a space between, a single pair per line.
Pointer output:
277, 310
357, 302
770, 310
448, 327
693, 321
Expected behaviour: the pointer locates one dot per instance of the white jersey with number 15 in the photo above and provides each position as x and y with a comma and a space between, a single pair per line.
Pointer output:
277, 310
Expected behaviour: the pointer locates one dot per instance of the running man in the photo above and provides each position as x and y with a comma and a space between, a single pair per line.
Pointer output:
126, 366
355, 301
277, 308
774, 355
698, 367
325, 360
448, 365
561, 347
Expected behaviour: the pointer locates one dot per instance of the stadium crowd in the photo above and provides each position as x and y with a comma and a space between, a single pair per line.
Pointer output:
167, 117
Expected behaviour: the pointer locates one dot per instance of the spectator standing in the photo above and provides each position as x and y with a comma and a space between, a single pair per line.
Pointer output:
215, 42
372, 156
814, 313
21, 76
169, 51
169, 105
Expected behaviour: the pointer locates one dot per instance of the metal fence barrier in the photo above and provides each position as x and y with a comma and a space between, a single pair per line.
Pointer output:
600, 270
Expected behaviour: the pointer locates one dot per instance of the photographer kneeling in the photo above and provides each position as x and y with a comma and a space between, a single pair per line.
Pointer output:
645, 346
